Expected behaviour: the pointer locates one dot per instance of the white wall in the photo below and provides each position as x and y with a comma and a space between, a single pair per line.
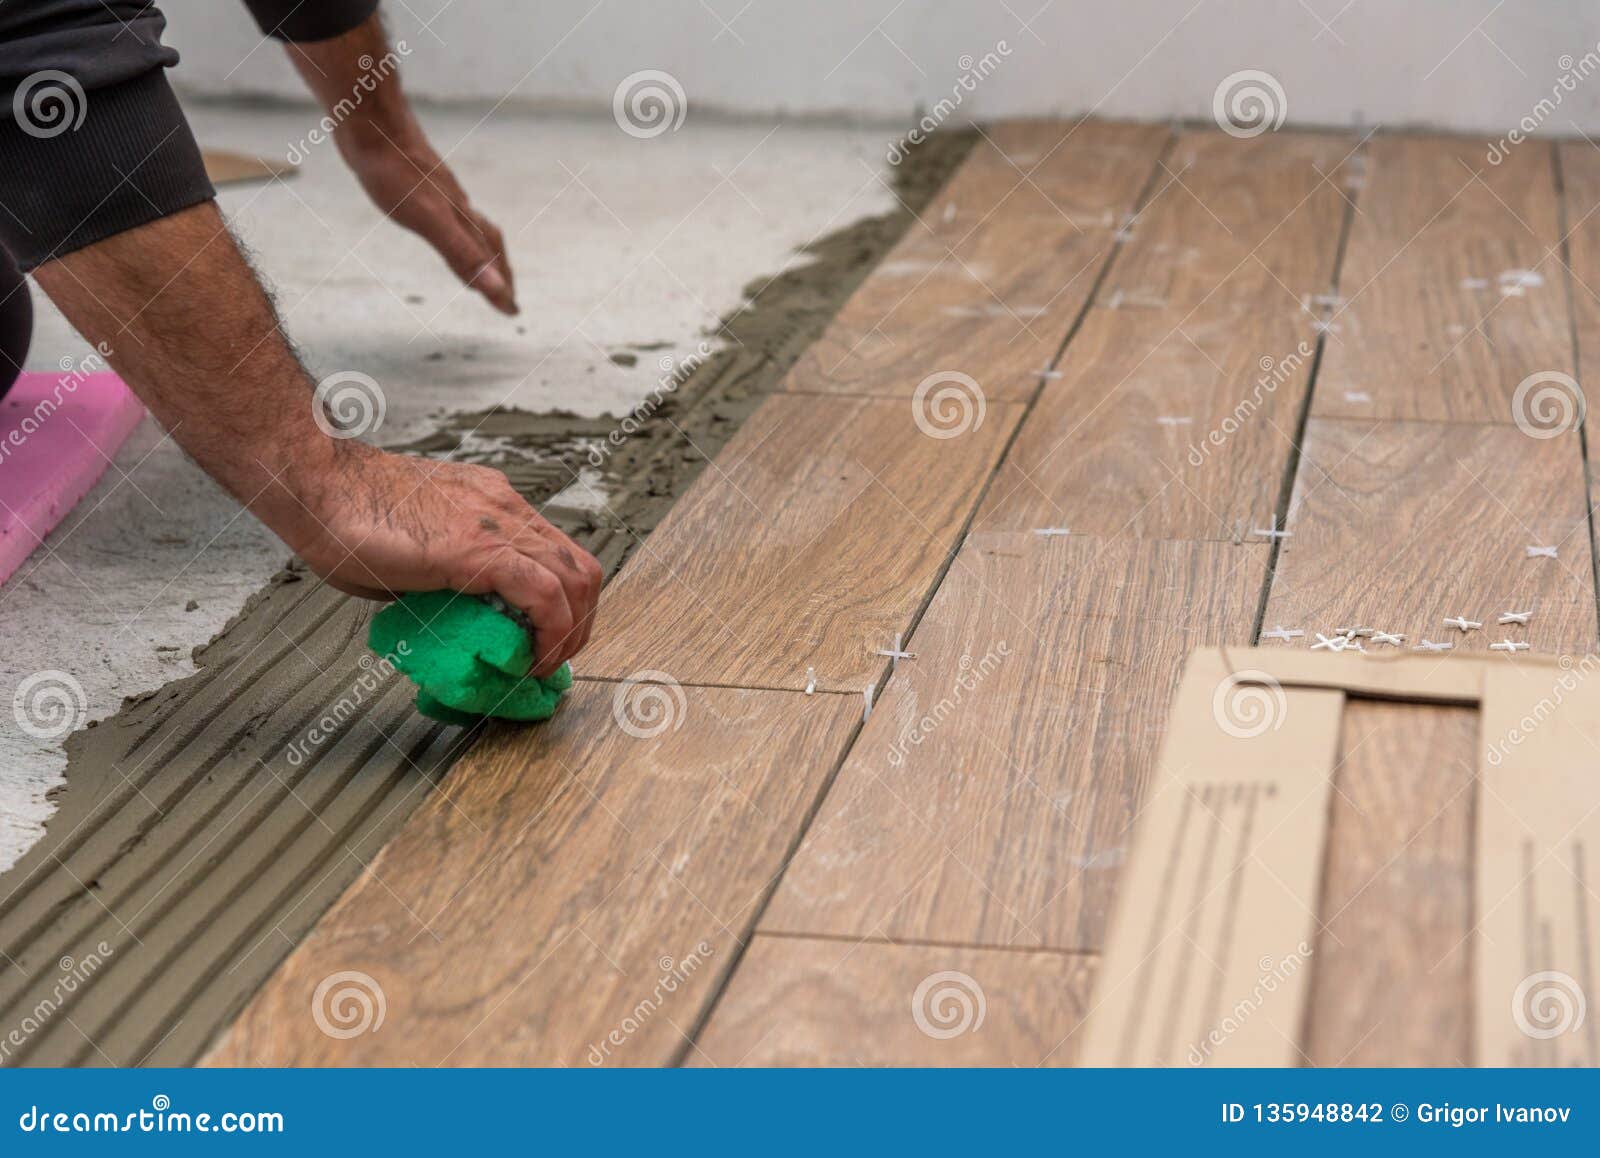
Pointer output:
1466, 64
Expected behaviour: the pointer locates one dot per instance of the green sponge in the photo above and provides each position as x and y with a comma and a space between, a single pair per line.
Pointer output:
468, 658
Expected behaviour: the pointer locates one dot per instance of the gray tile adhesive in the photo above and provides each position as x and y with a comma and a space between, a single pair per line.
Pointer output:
200, 836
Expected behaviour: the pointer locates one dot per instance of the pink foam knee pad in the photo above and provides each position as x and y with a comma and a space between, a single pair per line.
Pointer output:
58, 433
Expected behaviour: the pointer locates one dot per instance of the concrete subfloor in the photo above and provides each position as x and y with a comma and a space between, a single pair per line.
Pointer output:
616, 242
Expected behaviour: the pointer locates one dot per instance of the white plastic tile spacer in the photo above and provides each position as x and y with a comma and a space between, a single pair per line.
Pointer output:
1542, 553
1285, 634
1337, 643
1051, 532
1510, 645
1272, 532
1458, 622
1429, 645
1520, 277
1515, 617
896, 653
1387, 637
866, 711
811, 680
1352, 632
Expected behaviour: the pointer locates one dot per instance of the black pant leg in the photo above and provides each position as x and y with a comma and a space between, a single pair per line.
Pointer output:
16, 321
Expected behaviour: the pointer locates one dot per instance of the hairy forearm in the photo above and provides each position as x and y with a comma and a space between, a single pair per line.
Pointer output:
190, 329
178, 312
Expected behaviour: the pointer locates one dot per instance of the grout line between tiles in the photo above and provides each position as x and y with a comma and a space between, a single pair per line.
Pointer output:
1562, 219
919, 943
600, 679
1291, 467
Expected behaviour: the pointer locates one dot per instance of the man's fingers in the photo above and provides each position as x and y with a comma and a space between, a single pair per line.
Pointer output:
579, 573
492, 284
538, 594
565, 645
469, 256
496, 241
591, 578
580, 599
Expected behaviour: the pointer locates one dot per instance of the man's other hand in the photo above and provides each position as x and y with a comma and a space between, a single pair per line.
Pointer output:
378, 134
407, 180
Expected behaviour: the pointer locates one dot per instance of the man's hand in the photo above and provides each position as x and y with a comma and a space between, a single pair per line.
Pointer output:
407, 180
380, 524
184, 321
355, 78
